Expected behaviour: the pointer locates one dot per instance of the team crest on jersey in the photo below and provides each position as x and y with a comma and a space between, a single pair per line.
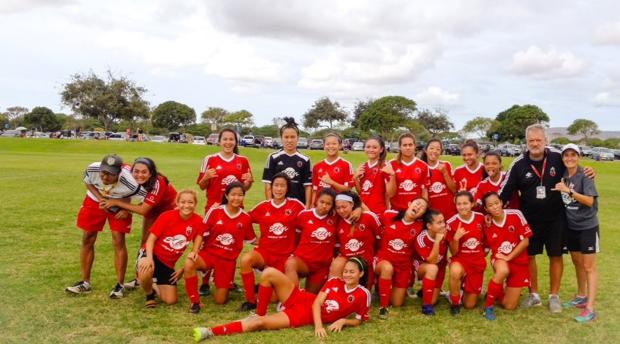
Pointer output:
528, 175
321, 233
471, 243
412, 232
288, 212
362, 227
350, 298
552, 171
239, 225
278, 228
225, 239
479, 226
177, 242
353, 245
397, 244
229, 179
407, 185
375, 170
437, 187
505, 247
238, 166
331, 306
367, 185
300, 164
418, 170
511, 229
337, 169
188, 230
290, 172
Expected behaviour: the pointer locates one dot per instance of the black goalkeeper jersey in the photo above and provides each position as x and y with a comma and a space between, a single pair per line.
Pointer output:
296, 166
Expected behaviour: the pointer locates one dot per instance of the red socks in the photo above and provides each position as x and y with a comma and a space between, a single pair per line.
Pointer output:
493, 292
191, 288
385, 291
264, 296
455, 299
428, 287
248, 285
230, 328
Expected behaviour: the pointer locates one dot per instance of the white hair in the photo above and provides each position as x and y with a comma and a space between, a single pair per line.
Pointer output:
539, 127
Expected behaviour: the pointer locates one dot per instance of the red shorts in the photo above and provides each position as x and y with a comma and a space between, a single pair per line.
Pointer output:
298, 307
317, 271
519, 276
223, 269
92, 219
272, 260
403, 273
474, 275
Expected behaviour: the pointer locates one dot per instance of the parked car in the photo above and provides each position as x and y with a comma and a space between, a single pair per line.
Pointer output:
357, 146
586, 151
602, 153
394, 148
158, 139
508, 149
117, 137
10, 133
277, 143
212, 139
316, 144
268, 142
452, 149
247, 140
302, 143
199, 140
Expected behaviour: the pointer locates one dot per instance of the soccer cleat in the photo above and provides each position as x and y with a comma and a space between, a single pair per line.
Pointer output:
194, 308
428, 310
455, 309
577, 302
150, 301
489, 313
383, 313
585, 316
411, 293
555, 305
234, 287
132, 285
204, 290
280, 307
202, 333
532, 300
117, 292
81, 287
246, 307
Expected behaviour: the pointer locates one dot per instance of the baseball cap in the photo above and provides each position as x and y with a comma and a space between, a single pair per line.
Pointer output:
111, 163
571, 146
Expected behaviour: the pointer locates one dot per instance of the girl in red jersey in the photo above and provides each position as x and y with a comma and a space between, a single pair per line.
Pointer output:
431, 251
493, 167
315, 251
508, 237
332, 172
277, 220
467, 263
160, 197
395, 254
167, 239
371, 177
467, 176
219, 170
355, 238
335, 303
411, 177
227, 227
442, 189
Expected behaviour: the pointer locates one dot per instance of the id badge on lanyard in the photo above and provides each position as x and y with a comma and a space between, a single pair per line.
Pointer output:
541, 192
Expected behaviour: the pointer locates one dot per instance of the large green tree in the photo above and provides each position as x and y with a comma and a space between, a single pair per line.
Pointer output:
386, 114
478, 126
358, 109
324, 111
584, 127
109, 100
513, 121
14, 112
214, 116
43, 119
241, 119
436, 122
173, 115
4, 121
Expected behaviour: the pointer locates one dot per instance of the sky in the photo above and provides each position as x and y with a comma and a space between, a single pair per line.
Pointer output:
276, 57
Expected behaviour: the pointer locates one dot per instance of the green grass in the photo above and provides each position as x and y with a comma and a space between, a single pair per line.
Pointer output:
41, 191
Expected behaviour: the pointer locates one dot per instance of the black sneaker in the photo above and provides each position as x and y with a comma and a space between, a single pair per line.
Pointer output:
117, 292
246, 307
150, 301
383, 313
234, 287
194, 308
455, 309
81, 287
419, 294
204, 290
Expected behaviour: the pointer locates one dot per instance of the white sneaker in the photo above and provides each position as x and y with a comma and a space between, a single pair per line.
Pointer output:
555, 305
117, 292
532, 300
202, 333
81, 287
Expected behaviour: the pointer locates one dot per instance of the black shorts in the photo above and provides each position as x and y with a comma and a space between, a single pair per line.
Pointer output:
549, 234
586, 242
162, 273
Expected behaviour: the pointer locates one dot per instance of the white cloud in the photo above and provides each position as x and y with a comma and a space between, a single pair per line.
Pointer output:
609, 98
608, 33
15, 6
435, 96
550, 64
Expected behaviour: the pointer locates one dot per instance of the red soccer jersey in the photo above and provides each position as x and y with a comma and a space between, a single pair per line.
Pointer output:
504, 237
411, 179
487, 185
439, 196
339, 171
342, 302
397, 238
318, 237
277, 225
226, 233
469, 178
227, 171
162, 196
424, 245
373, 184
471, 245
173, 235
362, 241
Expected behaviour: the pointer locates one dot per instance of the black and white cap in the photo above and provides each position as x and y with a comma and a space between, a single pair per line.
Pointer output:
112, 164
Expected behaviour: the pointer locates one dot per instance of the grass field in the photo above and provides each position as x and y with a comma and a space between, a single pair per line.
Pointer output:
41, 191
